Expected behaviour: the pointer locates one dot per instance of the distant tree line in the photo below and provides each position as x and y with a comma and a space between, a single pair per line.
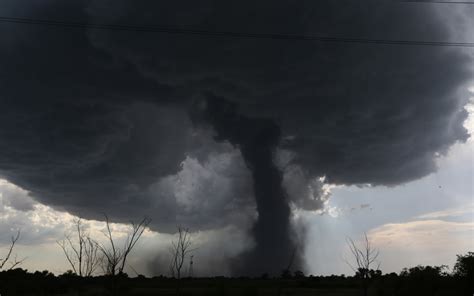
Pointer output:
418, 280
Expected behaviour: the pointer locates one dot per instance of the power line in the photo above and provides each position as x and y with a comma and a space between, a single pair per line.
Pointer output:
437, 2
230, 34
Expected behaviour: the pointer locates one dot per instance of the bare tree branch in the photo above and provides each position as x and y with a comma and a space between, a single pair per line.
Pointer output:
81, 253
364, 256
115, 258
5, 260
179, 251
136, 232
16, 262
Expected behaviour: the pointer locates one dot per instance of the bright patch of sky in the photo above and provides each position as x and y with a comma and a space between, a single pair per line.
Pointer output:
425, 222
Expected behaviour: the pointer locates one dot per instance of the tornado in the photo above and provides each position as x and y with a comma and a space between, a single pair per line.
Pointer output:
257, 139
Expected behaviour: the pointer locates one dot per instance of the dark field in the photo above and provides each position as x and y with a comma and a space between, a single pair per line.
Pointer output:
20, 282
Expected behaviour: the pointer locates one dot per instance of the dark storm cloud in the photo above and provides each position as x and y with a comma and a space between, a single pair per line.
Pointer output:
94, 121
356, 113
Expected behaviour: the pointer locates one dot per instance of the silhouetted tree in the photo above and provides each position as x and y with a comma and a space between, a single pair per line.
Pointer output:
364, 257
115, 257
424, 280
464, 266
15, 261
425, 272
81, 251
180, 248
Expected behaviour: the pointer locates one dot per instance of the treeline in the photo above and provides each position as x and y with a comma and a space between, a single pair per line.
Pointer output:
419, 280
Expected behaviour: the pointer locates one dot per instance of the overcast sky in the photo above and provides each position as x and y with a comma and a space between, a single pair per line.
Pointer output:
260, 146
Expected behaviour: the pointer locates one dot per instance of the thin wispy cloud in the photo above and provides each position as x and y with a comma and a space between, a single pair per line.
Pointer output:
455, 212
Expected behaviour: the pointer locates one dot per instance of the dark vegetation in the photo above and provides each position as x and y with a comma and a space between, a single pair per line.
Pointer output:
419, 280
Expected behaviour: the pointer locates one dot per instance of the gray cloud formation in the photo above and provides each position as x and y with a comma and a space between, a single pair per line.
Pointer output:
94, 121
356, 113
14, 197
